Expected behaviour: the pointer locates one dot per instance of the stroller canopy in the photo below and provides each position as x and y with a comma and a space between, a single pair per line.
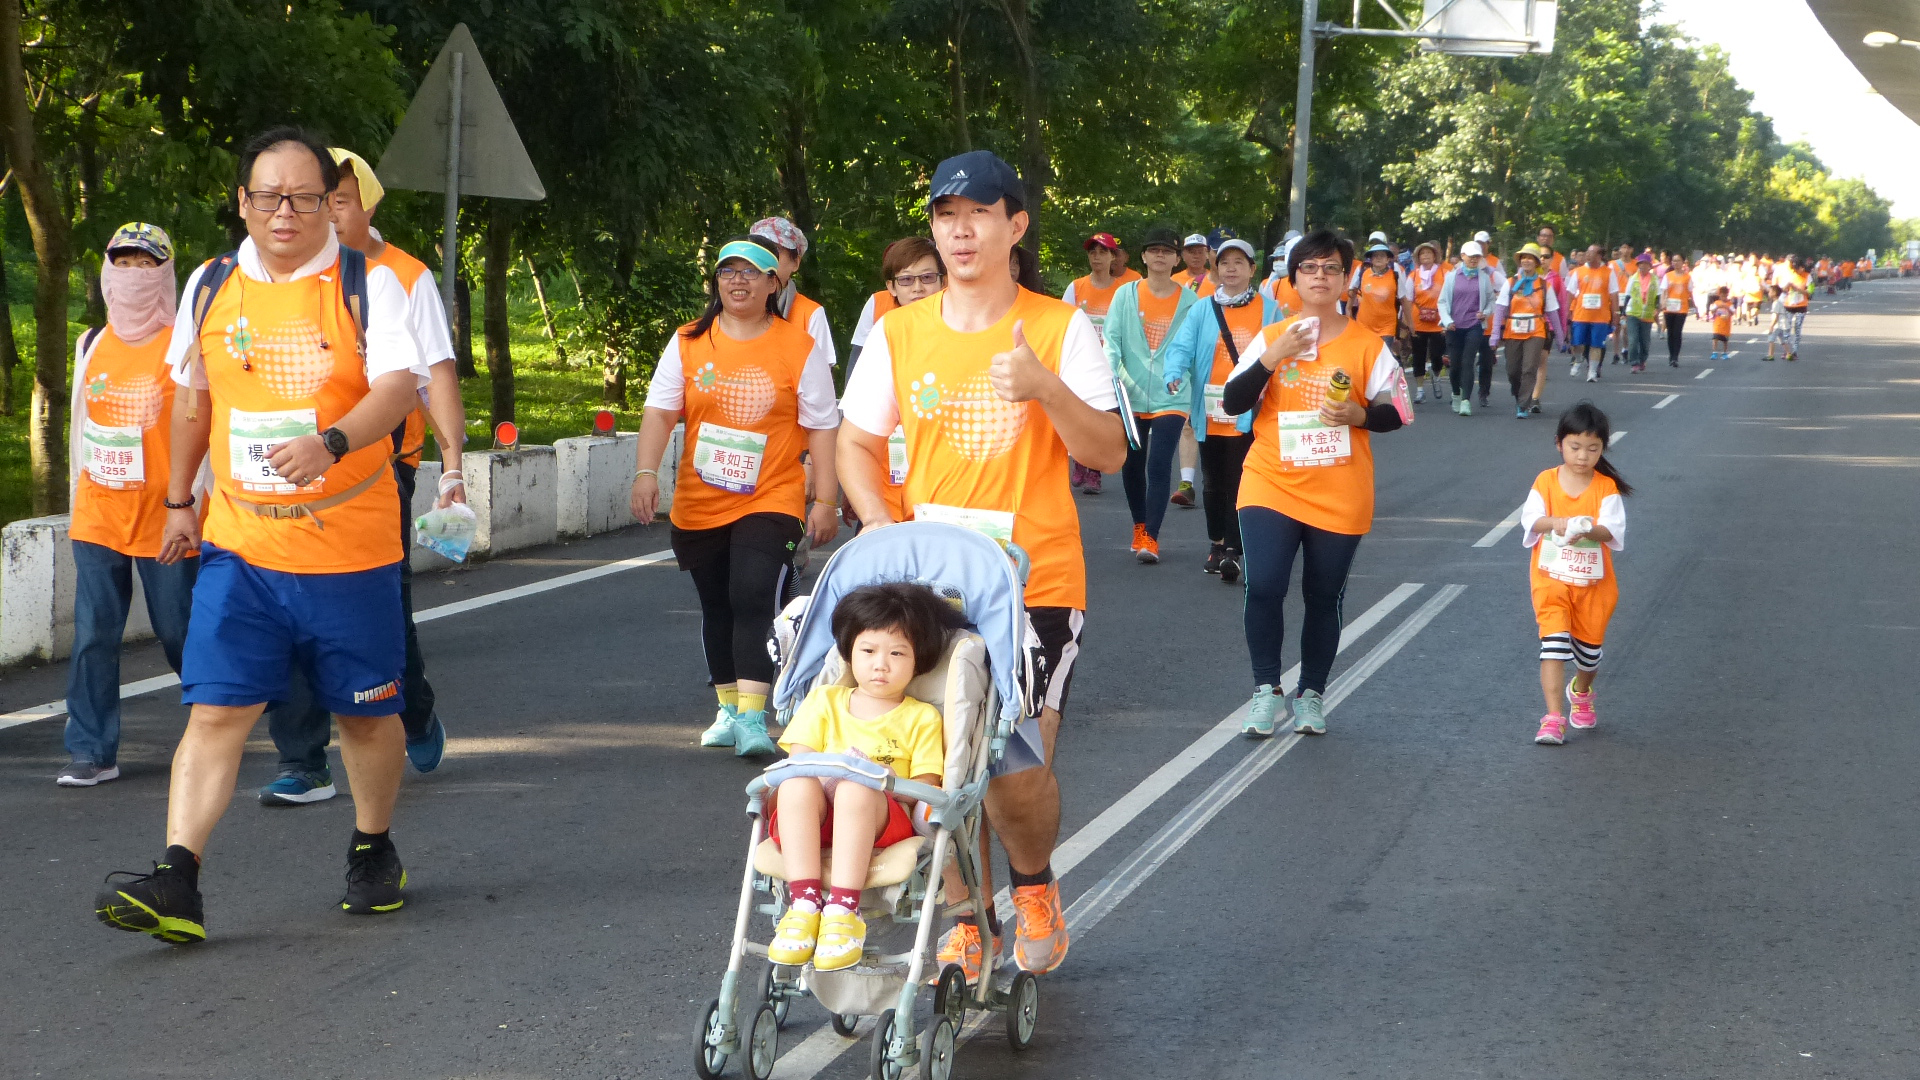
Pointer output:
955, 562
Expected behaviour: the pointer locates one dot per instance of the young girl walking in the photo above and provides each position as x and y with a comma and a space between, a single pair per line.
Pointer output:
1575, 518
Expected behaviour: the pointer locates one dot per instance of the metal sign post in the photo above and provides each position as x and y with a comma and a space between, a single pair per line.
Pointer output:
1460, 27
457, 138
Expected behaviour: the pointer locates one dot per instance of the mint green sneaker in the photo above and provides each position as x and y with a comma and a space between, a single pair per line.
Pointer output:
721, 733
750, 738
1306, 713
1262, 711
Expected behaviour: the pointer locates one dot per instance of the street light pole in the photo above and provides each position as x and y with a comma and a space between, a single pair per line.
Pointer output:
1303, 115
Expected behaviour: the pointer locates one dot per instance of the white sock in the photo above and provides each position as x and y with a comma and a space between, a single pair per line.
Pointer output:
1186, 476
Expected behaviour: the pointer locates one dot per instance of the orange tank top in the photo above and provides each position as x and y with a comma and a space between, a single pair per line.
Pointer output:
1299, 468
1380, 301
969, 449
1603, 588
281, 361
744, 439
1244, 322
1426, 301
408, 269
124, 441
1591, 296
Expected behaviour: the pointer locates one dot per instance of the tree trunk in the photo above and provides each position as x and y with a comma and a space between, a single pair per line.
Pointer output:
499, 349
47, 437
9, 352
546, 313
613, 363
463, 326
1033, 147
793, 172
87, 144
962, 137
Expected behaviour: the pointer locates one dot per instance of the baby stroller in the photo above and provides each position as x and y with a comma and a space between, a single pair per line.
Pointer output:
987, 687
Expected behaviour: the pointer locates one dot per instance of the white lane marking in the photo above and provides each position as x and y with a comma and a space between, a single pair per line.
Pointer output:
820, 1049
160, 682
1704, 372
1099, 901
1666, 401
1733, 354
1614, 439
1494, 534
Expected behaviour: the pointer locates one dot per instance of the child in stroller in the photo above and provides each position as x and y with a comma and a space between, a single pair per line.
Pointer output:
886, 634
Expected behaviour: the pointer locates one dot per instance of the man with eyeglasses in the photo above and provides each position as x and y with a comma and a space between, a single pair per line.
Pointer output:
294, 371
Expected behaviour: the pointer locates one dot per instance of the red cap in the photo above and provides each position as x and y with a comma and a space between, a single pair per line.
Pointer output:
1105, 240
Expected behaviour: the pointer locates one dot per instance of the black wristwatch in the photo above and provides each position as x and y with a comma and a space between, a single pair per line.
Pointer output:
336, 441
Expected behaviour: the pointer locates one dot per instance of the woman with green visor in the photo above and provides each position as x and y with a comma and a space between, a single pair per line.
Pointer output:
756, 392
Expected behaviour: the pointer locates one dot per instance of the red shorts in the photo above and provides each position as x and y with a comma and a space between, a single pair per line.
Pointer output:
899, 826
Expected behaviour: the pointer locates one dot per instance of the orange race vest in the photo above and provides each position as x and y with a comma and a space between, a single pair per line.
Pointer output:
409, 269
883, 302
1526, 315
967, 448
1426, 302
1593, 600
281, 361
1338, 496
1244, 322
1678, 294
743, 440
800, 312
1095, 301
1380, 301
1588, 282
124, 439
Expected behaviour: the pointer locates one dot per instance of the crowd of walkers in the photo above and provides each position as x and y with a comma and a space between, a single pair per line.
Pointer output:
299, 375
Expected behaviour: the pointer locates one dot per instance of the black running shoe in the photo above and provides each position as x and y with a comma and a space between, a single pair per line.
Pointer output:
1230, 567
164, 903
1218, 552
374, 880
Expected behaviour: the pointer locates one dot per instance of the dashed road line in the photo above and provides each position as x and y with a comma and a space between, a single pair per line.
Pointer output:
1666, 401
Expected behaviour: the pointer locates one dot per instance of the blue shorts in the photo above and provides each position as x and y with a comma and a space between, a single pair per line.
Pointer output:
1590, 335
250, 625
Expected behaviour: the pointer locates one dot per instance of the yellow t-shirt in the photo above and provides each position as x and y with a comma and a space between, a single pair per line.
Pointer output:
910, 739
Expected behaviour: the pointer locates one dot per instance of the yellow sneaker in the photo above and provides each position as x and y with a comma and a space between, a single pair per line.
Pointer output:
843, 941
1041, 941
793, 939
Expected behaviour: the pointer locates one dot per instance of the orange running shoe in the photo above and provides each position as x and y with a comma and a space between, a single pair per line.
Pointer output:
1139, 538
962, 946
1148, 549
1040, 943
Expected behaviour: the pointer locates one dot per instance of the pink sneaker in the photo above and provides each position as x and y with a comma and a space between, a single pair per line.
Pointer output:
1581, 715
1553, 730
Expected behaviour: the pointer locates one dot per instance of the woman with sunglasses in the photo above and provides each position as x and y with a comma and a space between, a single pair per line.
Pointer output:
756, 392
1317, 385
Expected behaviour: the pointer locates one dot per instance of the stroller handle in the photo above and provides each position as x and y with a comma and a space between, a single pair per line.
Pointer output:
891, 783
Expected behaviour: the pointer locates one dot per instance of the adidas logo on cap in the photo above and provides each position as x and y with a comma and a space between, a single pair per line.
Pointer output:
961, 175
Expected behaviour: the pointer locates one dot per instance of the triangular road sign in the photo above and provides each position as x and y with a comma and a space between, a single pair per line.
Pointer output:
493, 161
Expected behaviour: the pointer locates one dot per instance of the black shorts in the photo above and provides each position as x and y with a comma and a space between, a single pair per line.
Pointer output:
1059, 631
775, 534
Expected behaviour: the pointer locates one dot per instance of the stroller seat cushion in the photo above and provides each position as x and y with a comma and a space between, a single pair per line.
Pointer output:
890, 865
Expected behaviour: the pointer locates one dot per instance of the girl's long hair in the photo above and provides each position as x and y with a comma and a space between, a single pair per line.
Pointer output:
705, 322
1587, 419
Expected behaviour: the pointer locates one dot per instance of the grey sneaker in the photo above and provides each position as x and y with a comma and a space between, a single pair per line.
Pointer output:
86, 774
297, 788
721, 733
1306, 713
1263, 711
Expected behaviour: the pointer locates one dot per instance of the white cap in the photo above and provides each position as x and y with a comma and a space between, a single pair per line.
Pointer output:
1292, 234
1196, 240
1377, 237
1237, 244
1471, 247
1482, 237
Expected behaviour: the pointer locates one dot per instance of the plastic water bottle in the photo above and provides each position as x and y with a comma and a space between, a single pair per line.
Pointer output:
447, 532
1338, 386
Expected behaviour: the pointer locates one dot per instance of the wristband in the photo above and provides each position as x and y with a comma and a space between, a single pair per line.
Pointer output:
655, 473
171, 505
822, 502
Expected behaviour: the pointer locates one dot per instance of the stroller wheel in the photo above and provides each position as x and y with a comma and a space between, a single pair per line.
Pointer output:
765, 1044
773, 994
1023, 1010
950, 995
880, 1061
709, 1061
936, 1056
843, 1024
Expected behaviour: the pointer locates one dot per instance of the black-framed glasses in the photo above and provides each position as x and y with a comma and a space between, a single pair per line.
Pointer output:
268, 202
748, 274
908, 281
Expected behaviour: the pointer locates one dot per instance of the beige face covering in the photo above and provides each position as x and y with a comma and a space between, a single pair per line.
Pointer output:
140, 299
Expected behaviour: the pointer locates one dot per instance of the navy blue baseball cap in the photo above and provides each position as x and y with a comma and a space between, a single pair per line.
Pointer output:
979, 175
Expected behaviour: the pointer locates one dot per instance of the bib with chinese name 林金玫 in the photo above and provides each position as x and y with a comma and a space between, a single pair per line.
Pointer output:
897, 456
251, 436
993, 524
1579, 563
1306, 442
728, 458
116, 456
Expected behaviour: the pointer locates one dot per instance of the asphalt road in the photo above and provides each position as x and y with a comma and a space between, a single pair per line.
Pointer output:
1715, 883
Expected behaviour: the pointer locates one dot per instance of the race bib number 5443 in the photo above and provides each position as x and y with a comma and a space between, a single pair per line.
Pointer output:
1305, 441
